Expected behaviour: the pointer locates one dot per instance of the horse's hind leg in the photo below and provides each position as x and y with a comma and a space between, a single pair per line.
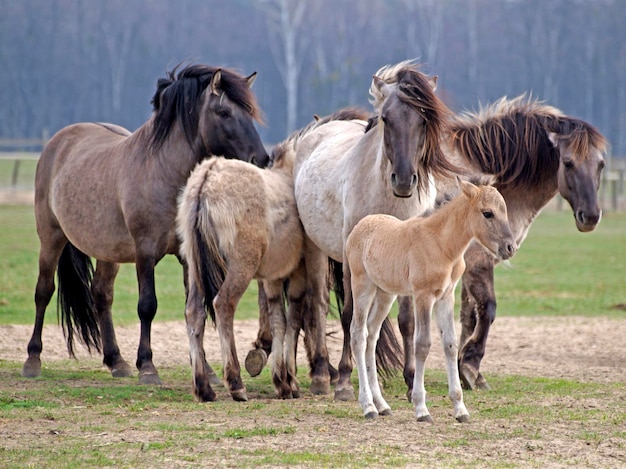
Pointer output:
478, 280
195, 318
274, 290
146, 309
225, 304
51, 248
296, 295
257, 357
406, 323
102, 288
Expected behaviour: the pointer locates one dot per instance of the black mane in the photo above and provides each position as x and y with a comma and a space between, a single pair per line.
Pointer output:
179, 98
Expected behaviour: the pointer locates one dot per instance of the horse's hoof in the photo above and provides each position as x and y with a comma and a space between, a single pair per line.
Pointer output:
385, 412
320, 387
150, 379
425, 418
463, 418
255, 361
481, 383
123, 370
239, 395
345, 394
295, 393
468, 377
205, 395
371, 415
31, 368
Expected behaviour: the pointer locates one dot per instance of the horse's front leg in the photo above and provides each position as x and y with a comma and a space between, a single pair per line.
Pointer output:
146, 309
444, 313
378, 314
315, 318
406, 323
102, 288
195, 319
478, 282
421, 343
257, 357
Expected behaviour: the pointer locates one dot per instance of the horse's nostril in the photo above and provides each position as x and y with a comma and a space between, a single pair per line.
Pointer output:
511, 248
393, 179
414, 180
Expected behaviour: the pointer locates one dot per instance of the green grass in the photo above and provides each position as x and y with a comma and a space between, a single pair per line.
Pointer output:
73, 416
558, 271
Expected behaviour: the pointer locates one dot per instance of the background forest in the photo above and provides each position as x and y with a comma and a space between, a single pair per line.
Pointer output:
65, 61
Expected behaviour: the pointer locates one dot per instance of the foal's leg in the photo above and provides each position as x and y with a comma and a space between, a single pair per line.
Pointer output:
257, 357
195, 318
225, 304
478, 279
444, 313
379, 312
422, 343
365, 292
52, 244
146, 308
102, 288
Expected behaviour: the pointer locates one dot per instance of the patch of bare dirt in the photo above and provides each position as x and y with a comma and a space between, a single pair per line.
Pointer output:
586, 349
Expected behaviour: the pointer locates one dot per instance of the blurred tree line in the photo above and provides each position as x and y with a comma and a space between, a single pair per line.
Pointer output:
65, 61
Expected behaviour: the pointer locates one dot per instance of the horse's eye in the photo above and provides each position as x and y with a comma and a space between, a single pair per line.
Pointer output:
568, 164
488, 214
223, 113
383, 118
601, 165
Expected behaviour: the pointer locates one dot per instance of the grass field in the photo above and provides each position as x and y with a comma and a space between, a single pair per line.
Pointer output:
75, 414
558, 271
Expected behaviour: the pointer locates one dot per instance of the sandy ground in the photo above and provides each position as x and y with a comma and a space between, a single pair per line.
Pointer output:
587, 349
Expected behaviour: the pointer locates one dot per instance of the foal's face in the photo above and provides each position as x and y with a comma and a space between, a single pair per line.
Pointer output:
489, 222
579, 181
403, 135
228, 130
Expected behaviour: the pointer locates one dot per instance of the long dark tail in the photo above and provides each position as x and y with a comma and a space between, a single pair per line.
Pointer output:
207, 259
389, 355
76, 307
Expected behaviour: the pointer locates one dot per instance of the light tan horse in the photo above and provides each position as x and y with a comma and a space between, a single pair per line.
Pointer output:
421, 257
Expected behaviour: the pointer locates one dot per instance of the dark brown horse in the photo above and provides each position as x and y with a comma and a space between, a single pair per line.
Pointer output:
535, 152
105, 193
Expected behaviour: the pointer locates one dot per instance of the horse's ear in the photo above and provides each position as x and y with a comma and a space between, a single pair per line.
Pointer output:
250, 79
378, 82
554, 138
467, 187
433, 82
215, 82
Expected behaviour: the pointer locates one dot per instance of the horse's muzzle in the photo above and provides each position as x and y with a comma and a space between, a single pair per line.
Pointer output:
586, 222
403, 189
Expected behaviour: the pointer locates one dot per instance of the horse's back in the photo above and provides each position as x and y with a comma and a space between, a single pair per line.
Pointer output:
250, 209
75, 184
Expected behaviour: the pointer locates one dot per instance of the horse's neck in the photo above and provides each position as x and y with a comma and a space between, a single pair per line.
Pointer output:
449, 227
172, 162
